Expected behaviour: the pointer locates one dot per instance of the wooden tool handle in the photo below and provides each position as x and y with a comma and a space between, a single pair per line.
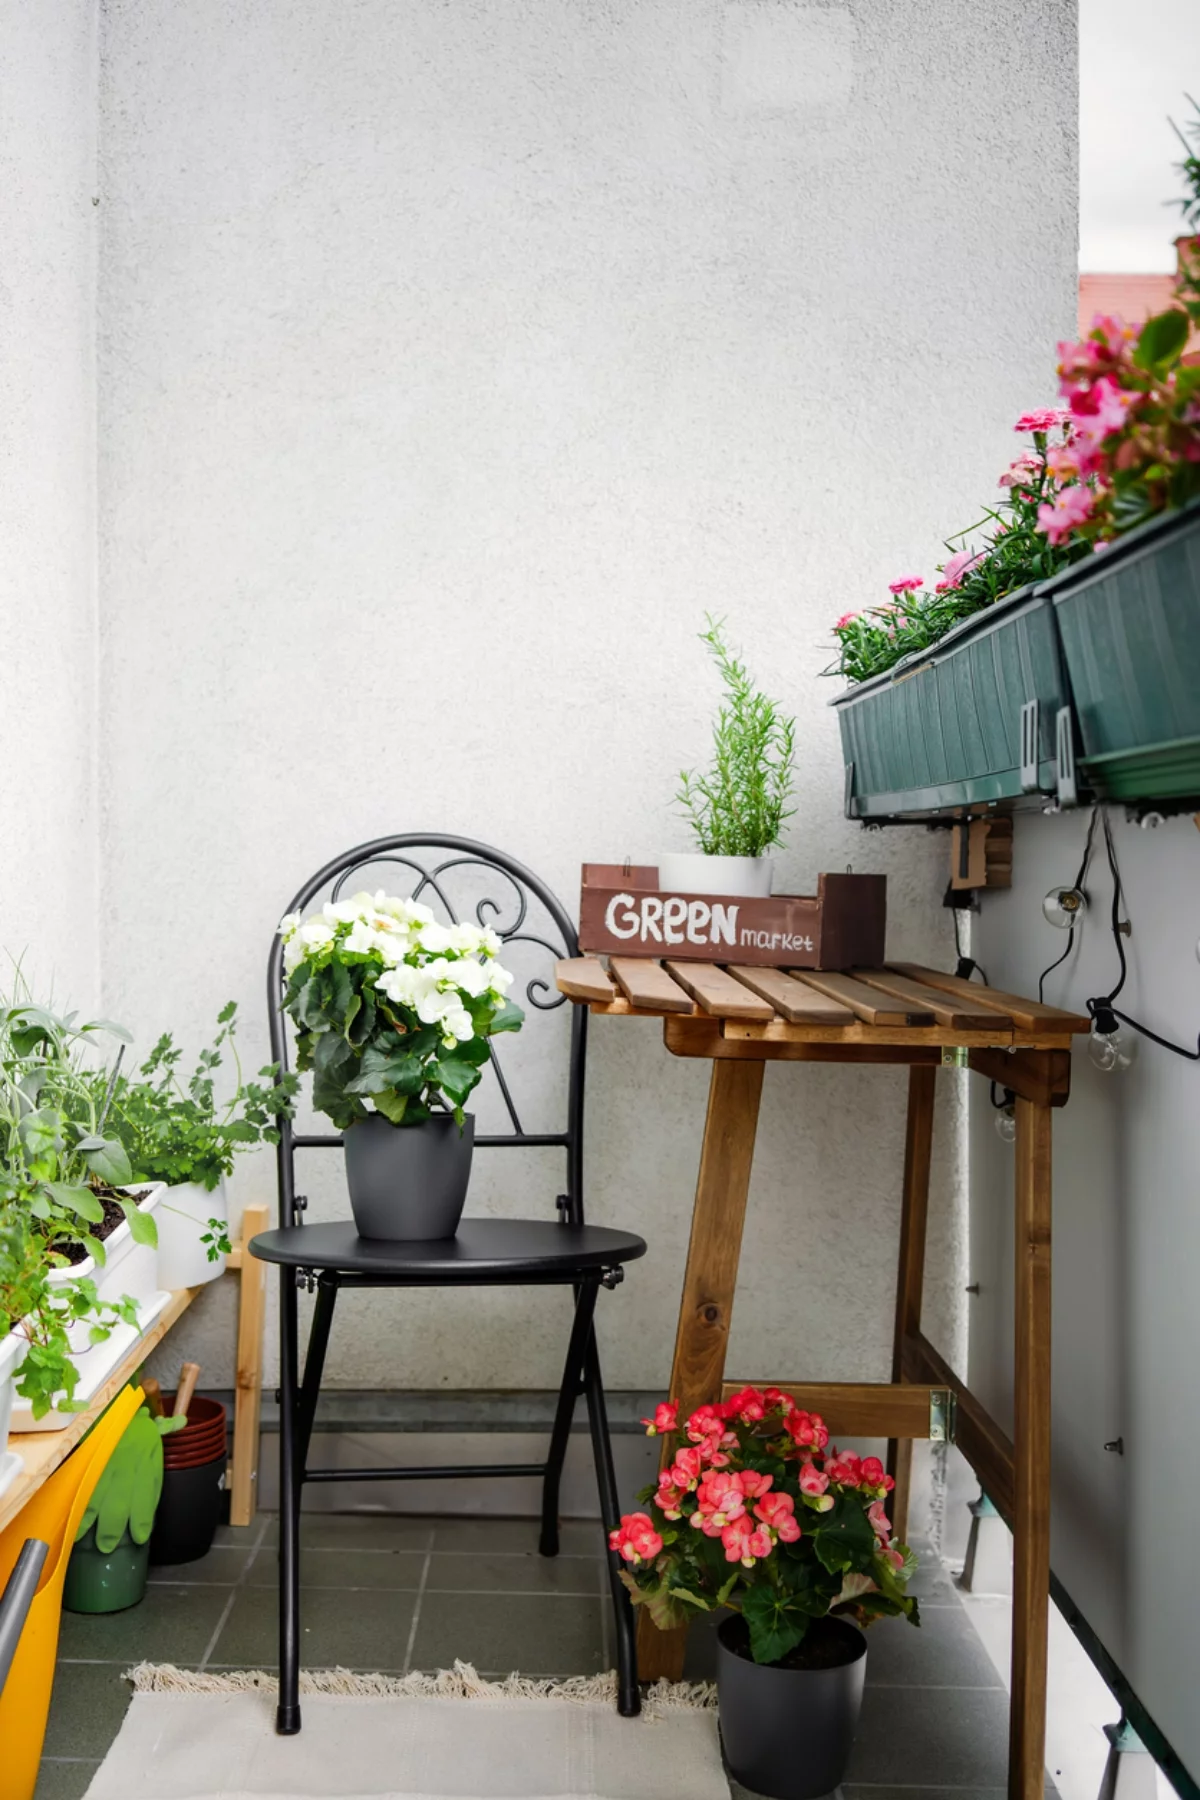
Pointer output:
189, 1375
152, 1395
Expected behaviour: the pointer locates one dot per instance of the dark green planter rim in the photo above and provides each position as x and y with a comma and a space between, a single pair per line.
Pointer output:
978, 625
1123, 549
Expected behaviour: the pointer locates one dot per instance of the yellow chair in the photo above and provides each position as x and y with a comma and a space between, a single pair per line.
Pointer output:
53, 1514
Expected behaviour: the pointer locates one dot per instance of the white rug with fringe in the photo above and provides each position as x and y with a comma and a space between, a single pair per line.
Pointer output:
451, 1736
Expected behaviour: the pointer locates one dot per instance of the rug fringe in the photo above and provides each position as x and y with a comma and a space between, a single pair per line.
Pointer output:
459, 1683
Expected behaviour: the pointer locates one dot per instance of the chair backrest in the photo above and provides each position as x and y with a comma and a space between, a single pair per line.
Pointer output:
440, 871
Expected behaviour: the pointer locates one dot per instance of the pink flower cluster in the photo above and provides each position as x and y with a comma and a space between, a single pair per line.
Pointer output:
721, 1511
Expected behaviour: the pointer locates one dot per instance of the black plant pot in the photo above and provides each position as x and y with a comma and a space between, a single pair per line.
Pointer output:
408, 1182
788, 1732
188, 1512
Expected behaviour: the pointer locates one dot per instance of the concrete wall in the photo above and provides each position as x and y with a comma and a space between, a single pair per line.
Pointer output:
48, 224
1126, 1245
455, 360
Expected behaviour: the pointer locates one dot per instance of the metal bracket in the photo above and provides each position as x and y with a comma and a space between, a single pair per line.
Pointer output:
306, 1280
943, 1408
849, 803
1064, 750
1030, 743
612, 1278
955, 1056
563, 1203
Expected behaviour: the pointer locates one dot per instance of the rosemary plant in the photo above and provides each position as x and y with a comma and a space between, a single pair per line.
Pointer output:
737, 807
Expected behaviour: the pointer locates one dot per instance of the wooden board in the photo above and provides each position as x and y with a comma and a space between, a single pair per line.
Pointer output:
247, 1400
583, 978
1031, 1015
718, 993
648, 985
44, 1451
858, 1408
868, 1004
791, 999
946, 1009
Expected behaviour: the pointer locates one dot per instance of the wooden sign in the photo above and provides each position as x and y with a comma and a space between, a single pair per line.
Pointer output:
624, 912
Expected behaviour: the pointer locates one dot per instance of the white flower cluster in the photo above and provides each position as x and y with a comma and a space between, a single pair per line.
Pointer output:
428, 965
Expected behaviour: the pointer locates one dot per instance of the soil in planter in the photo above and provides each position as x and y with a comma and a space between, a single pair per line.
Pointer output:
104, 1228
827, 1644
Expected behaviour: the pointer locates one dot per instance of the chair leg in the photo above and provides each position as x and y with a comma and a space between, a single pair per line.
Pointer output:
314, 1366
287, 1713
568, 1393
629, 1702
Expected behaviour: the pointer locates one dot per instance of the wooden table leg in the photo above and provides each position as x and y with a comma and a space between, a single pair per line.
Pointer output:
1031, 1448
910, 1279
252, 1306
708, 1287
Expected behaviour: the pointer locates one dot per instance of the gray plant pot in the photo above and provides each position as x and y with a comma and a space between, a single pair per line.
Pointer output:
788, 1732
408, 1182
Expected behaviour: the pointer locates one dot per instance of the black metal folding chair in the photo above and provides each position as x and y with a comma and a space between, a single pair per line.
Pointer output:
487, 1252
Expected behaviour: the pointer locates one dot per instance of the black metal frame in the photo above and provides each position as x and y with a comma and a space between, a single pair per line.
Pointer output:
581, 1371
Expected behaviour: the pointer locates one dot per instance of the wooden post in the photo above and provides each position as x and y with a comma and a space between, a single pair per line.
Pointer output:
252, 1306
1031, 1447
708, 1286
910, 1279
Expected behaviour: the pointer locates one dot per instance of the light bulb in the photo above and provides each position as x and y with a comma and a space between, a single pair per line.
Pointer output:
1064, 907
1110, 1047
1006, 1124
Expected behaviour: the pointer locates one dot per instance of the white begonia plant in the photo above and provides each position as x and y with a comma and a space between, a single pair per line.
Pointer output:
401, 975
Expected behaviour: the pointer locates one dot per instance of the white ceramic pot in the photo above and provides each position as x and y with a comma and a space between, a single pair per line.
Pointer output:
689, 872
182, 1218
12, 1355
128, 1267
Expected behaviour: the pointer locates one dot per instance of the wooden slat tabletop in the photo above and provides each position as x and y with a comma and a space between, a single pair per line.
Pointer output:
584, 978
792, 1000
1030, 1014
718, 993
867, 1003
963, 1014
647, 984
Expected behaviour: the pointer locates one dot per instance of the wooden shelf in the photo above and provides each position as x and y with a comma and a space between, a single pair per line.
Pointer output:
44, 1451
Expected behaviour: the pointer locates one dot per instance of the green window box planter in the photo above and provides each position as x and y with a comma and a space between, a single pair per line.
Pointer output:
1129, 621
982, 717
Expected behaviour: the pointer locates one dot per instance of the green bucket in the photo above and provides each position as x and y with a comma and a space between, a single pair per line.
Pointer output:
1129, 620
100, 1583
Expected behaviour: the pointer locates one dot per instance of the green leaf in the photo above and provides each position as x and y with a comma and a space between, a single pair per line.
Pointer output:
844, 1539
507, 1017
392, 1105
142, 1225
1162, 339
776, 1625
41, 1131
455, 1078
110, 1162
79, 1200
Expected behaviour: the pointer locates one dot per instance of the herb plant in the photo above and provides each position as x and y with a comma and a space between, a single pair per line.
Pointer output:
43, 1313
394, 1011
737, 807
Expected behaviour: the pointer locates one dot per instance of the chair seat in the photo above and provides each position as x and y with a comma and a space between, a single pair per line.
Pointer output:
489, 1249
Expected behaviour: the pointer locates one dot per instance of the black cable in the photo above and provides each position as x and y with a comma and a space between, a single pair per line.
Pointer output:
966, 965
1084, 865
1101, 1010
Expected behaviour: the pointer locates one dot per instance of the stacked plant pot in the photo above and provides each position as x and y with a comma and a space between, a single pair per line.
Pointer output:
194, 1461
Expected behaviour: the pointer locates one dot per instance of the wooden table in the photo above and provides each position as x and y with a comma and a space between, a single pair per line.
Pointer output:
743, 1017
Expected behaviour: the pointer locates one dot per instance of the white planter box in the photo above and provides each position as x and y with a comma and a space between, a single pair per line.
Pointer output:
182, 1219
130, 1268
12, 1355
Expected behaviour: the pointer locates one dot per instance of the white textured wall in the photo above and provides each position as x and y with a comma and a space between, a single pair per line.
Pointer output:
48, 872
455, 359
1126, 1249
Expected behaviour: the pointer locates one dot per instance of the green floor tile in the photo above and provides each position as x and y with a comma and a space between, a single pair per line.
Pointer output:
172, 1624
926, 1738
344, 1568
944, 1651
530, 1574
224, 1565
64, 1780
577, 1537
357, 1531
86, 1708
353, 1629
537, 1634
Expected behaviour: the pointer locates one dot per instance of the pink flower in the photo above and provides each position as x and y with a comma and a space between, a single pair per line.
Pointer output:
748, 1406
1044, 419
908, 584
845, 620
1024, 472
666, 1417
777, 1400
895, 1557
635, 1538
744, 1542
813, 1480
753, 1484
958, 566
1069, 509
806, 1430
1108, 404
687, 1468
880, 1521
669, 1498
777, 1513
719, 1500
872, 1472
708, 1427
845, 1468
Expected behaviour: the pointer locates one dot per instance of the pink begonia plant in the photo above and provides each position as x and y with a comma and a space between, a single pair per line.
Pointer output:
754, 1511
